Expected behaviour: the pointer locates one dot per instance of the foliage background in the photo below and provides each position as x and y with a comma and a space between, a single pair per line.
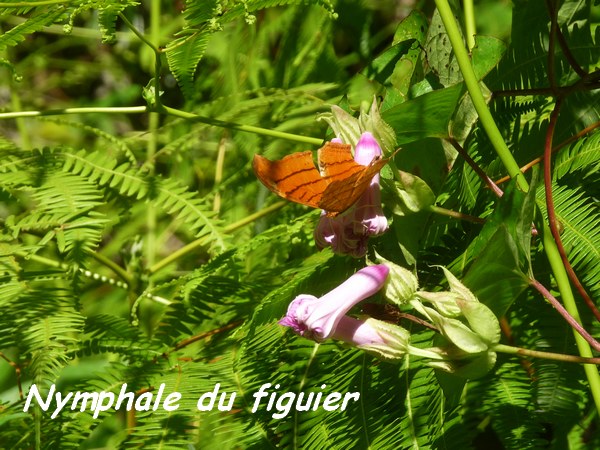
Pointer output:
137, 247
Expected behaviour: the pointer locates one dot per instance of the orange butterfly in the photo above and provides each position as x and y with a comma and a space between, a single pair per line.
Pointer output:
335, 189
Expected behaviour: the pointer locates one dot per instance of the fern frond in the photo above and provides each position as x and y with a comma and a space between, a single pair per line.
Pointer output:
196, 214
12, 162
80, 237
107, 18
36, 22
47, 326
166, 194
581, 236
574, 20
505, 396
119, 144
524, 65
183, 56
560, 396
198, 12
507, 110
557, 396
215, 302
584, 155
106, 171
59, 199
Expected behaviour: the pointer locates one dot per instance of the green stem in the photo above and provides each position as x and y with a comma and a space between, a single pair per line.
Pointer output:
60, 265
566, 294
485, 117
25, 4
152, 43
155, 14
113, 266
470, 29
219, 171
96, 276
171, 111
201, 242
255, 216
501, 348
42, 260
151, 211
153, 125
138, 34
240, 127
512, 167
455, 214
85, 110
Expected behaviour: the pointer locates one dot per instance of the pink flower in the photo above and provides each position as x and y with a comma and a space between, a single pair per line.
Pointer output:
318, 318
325, 317
349, 232
339, 234
357, 332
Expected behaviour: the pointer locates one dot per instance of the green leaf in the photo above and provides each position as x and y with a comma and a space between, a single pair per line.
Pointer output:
412, 194
382, 67
380, 74
425, 116
440, 55
481, 320
466, 116
412, 29
457, 332
500, 257
469, 368
486, 54
494, 275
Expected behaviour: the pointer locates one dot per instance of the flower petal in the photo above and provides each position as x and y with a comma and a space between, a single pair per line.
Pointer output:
318, 318
366, 149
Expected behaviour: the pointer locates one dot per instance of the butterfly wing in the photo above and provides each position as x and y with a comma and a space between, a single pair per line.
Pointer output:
336, 161
335, 189
293, 177
346, 179
342, 193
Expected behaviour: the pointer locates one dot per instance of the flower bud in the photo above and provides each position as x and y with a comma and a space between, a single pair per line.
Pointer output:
382, 339
402, 284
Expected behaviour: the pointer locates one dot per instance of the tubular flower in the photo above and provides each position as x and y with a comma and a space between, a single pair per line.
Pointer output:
348, 233
325, 317
318, 318
368, 216
339, 234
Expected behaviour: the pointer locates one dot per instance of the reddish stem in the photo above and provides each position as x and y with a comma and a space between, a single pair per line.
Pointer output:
562, 41
563, 312
563, 144
490, 183
552, 213
201, 336
17, 369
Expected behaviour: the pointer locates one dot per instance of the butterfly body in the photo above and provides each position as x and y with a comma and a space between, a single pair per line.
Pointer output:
335, 188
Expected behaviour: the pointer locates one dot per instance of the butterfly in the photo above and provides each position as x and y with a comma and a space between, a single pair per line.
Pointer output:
338, 185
